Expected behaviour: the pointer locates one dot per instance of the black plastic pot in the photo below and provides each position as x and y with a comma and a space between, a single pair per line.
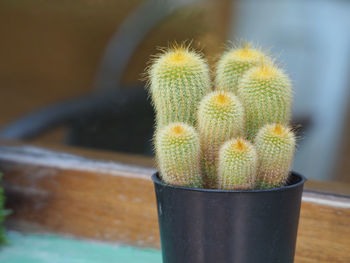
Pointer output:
219, 226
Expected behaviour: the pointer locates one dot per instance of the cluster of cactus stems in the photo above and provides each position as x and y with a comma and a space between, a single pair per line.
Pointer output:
233, 137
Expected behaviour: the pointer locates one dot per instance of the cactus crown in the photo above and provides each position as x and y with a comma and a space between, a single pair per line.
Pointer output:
178, 61
252, 101
220, 104
269, 71
237, 148
180, 57
279, 136
234, 63
265, 71
176, 134
246, 53
179, 133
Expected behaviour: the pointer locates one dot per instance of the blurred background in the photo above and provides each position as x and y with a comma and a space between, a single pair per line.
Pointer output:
70, 71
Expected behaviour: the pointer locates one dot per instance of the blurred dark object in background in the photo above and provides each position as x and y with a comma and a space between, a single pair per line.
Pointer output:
115, 115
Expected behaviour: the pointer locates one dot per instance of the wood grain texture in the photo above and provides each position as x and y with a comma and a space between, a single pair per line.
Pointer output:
86, 198
324, 229
114, 201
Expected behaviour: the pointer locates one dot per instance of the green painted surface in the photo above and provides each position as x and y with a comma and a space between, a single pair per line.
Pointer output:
41, 248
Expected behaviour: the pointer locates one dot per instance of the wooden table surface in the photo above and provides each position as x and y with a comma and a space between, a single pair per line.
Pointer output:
110, 197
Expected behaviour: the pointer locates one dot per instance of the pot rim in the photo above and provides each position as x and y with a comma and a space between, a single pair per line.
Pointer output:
300, 181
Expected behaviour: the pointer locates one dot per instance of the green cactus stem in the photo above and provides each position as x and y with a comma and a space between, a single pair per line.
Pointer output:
275, 145
266, 94
179, 78
220, 117
234, 63
237, 165
178, 151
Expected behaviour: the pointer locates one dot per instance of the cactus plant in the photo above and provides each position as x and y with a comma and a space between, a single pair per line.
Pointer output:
234, 63
237, 165
177, 148
179, 78
253, 95
266, 94
220, 117
275, 145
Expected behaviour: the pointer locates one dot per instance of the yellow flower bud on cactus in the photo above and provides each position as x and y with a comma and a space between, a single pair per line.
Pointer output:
266, 94
179, 78
234, 63
237, 165
275, 145
178, 150
220, 117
